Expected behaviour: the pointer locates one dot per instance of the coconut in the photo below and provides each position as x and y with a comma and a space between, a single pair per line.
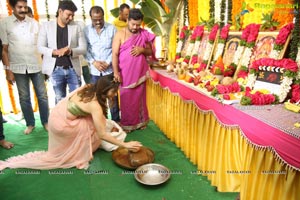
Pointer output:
227, 80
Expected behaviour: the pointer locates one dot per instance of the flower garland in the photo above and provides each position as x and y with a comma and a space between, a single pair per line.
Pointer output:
258, 98
193, 12
47, 10
192, 49
172, 42
281, 40
236, 9
240, 50
35, 12
295, 93
221, 41
209, 46
254, 29
223, 11
287, 66
227, 89
217, 10
183, 34
229, 10
284, 14
9, 10
199, 34
295, 41
211, 9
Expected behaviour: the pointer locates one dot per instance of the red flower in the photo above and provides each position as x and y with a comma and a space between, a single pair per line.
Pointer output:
224, 32
213, 32
284, 33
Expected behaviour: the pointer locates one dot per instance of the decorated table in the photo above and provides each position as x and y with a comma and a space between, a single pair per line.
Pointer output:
253, 150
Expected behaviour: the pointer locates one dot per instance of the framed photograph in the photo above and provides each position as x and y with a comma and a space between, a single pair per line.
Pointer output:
202, 47
263, 46
185, 45
231, 45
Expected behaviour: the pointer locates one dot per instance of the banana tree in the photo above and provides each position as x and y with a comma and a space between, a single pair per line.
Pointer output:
156, 18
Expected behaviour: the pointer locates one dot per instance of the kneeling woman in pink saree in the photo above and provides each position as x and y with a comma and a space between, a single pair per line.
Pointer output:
77, 125
131, 45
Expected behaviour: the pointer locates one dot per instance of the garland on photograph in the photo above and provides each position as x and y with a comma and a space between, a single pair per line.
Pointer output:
193, 47
221, 41
286, 66
47, 10
199, 35
182, 36
209, 46
254, 30
238, 54
284, 14
281, 40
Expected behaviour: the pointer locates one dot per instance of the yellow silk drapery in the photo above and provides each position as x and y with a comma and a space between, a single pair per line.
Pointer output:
221, 152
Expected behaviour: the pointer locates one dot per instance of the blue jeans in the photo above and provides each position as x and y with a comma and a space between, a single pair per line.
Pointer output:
60, 78
114, 110
23, 85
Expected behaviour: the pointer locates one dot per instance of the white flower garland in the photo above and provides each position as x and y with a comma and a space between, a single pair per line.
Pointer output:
284, 88
246, 57
274, 54
220, 48
238, 54
179, 46
298, 59
208, 50
196, 47
190, 49
218, 10
251, 80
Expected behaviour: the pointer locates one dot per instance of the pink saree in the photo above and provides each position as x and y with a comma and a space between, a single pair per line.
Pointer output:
133, 70
71, 144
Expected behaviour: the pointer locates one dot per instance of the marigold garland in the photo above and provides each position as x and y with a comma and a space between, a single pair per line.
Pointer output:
164, 5
283, 12
193, 12
236, 9
35, 12
83, 10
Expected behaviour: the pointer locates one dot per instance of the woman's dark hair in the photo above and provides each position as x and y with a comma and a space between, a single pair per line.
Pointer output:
100, 89
96, 9
13, 3
135, 14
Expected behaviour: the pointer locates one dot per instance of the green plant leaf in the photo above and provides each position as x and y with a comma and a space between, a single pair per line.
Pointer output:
115, 12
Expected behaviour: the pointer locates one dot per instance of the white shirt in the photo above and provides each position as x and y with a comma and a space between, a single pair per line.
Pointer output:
21, 38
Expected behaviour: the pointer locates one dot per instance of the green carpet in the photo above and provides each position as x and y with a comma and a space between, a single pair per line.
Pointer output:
113, 184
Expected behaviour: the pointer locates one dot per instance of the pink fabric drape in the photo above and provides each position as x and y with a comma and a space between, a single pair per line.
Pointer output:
257, 132
71, 144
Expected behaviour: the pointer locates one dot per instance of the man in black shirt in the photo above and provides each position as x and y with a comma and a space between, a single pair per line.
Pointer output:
61, 42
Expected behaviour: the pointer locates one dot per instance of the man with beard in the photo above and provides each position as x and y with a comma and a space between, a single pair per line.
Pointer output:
99, 36
61, 42
22, 61
131, 46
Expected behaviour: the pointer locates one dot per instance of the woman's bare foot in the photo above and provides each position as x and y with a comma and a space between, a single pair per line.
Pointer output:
6, 145
28, 130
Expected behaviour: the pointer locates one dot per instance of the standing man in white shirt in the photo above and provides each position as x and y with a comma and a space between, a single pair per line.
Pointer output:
22, 61
61, 42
